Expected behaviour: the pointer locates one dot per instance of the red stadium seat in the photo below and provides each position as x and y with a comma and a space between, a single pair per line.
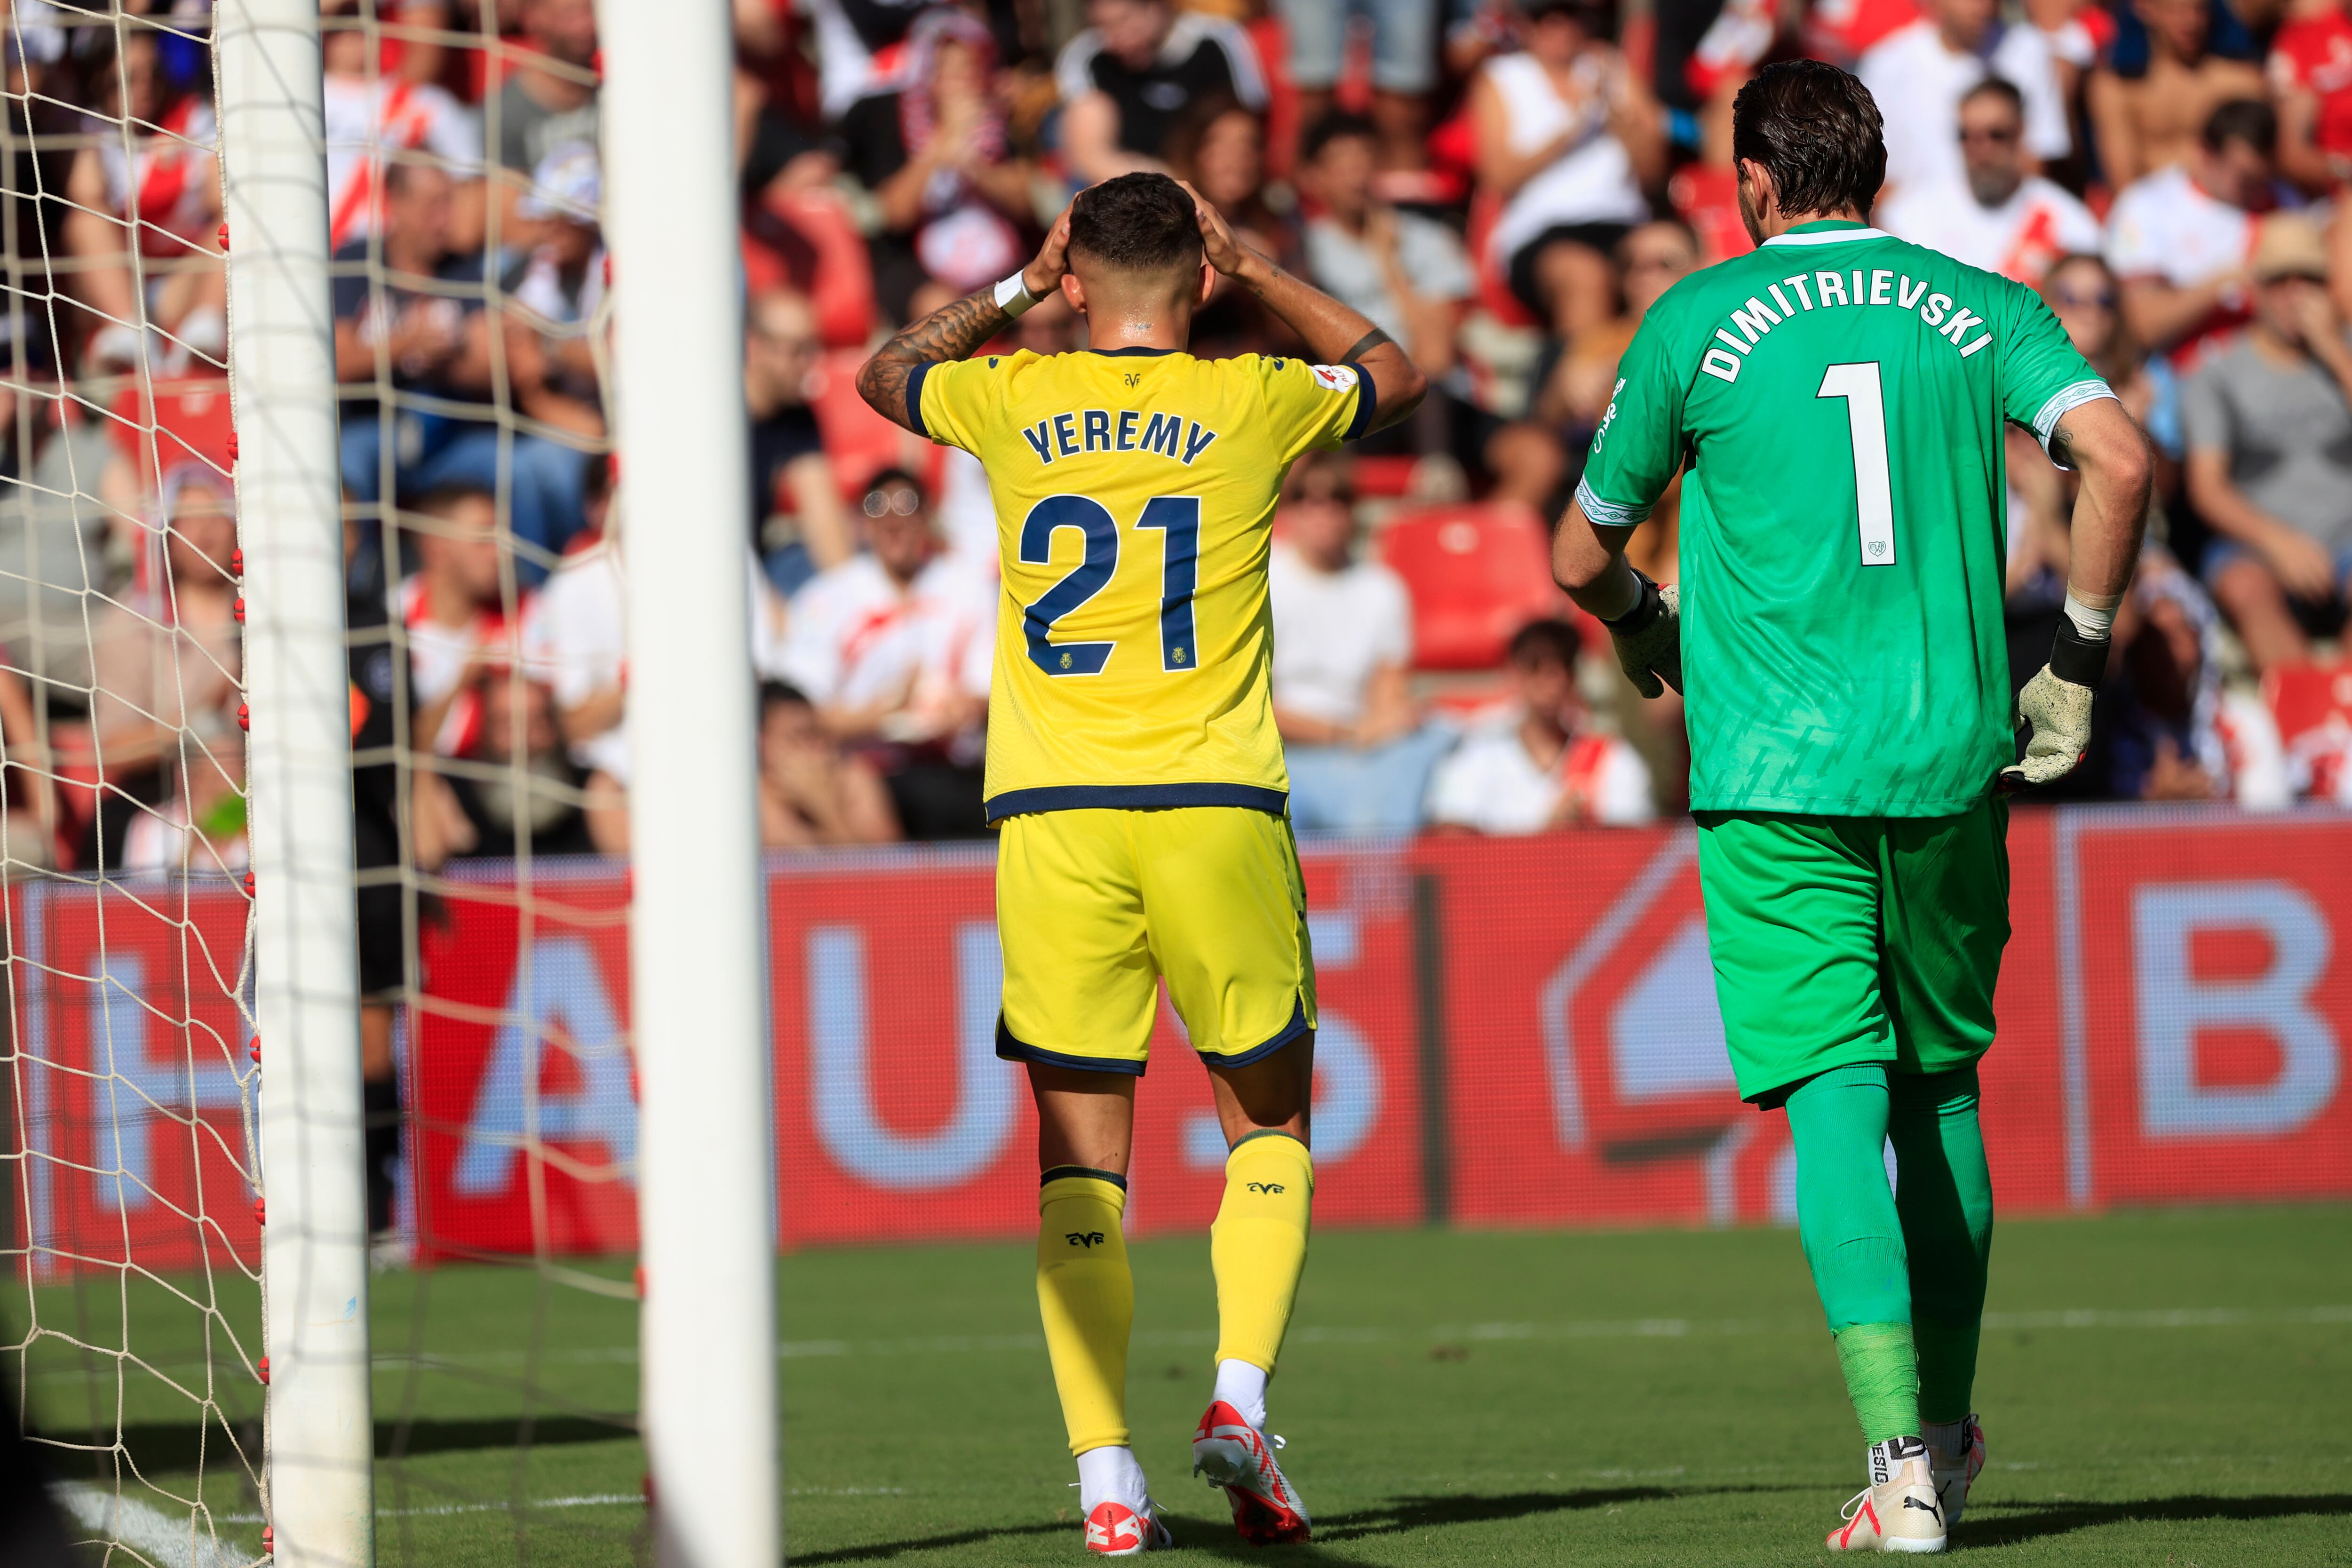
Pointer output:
1476, 573
1384, 478
190, 421
860, 442
2313, 705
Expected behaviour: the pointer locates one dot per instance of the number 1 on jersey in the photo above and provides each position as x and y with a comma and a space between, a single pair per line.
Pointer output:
1178, 518
1874, 490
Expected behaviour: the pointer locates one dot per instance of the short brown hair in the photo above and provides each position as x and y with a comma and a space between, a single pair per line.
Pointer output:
1817, 131
1139, 223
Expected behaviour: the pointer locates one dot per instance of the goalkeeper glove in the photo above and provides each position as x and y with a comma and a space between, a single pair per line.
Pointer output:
2055, 709
1649, 638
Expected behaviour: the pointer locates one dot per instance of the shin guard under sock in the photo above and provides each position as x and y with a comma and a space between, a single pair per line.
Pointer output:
1854, 1242
1086, 1297
1881, 1378
1944, 1198
1259, 1244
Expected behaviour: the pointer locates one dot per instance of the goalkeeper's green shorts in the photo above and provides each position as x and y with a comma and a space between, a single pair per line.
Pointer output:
1842, 940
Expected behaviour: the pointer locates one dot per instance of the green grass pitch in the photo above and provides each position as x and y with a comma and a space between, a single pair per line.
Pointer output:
2158, 1388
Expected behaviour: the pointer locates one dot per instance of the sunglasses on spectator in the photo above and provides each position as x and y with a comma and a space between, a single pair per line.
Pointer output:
2000, 135
2105, 299
1657, 264
883, 504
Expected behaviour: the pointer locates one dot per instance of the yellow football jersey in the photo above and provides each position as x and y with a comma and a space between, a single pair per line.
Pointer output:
1135, 493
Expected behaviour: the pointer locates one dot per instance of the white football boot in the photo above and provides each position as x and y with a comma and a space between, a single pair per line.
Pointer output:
1898, 1511
1236, 1456
1121, 1518
1115, 1530
1956, 1472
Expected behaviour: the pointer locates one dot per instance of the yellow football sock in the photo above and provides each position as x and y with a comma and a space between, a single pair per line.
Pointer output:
1259, 1244
1087, 1297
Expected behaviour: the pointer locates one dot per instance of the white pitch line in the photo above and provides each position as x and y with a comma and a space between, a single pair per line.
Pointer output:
1441, 1333
150, 1532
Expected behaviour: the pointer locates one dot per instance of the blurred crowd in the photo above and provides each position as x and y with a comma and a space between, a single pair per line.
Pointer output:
1504, 185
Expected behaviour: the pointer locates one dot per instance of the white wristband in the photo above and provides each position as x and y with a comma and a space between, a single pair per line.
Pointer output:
1013, 296
2091, 621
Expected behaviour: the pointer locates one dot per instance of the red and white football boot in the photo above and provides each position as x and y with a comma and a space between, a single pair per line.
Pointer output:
1237, 1457
1898, 1510
1956, 1473
1115, 1530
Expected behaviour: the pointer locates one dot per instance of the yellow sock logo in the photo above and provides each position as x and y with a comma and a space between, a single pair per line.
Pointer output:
1089, 1239
1268, 1187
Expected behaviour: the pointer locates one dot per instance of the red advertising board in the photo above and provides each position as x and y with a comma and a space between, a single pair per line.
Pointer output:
1513, 1033
132, 1086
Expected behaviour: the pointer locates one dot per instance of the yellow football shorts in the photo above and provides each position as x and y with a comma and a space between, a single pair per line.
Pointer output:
1094, 907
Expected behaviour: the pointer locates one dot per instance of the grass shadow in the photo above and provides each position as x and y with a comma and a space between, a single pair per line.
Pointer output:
881, 1550
2030, 1520
168, 1448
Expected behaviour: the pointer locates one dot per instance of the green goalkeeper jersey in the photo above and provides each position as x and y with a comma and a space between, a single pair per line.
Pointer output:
1839, 397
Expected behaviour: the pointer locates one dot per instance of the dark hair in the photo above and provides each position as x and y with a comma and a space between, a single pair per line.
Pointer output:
1337, 126
776, 694
1138, 223
886, 477
1546, 642
2247, 119
2000, 87
1817, 133
1597, 17
441, 500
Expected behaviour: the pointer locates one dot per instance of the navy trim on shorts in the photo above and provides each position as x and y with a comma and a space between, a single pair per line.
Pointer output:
915, 397
1291, 1031
1060, 1173
1135, 798
1015, 1050
1368, 402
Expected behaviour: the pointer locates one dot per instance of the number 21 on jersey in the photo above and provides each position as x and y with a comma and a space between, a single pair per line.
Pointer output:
1874, 488
1178, 521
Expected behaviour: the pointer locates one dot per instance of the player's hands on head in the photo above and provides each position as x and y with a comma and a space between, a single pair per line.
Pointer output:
1043, 273
1649, 639
1218, 244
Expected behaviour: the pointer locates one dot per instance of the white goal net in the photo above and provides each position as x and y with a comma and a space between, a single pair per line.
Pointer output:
468, 284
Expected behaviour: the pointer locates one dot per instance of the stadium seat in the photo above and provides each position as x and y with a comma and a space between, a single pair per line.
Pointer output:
1384, 478
190, 420
1477, 574
860, 442
2313, 705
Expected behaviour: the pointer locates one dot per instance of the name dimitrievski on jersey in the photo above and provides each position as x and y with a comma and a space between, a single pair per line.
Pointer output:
1886, 287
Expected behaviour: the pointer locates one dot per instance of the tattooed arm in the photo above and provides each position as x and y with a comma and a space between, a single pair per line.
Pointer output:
1335, 334
951, 331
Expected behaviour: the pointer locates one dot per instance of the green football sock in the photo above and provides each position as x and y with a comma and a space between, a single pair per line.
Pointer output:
1853, 1241
1881, 1378
1944, 1195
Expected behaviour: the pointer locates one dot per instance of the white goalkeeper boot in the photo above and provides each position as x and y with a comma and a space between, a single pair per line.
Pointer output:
1121, 1518
1955, 1457
1236, 1456
1898, 1511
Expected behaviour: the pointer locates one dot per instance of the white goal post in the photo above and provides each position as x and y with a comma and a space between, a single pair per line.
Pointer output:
697, 926
319, 1435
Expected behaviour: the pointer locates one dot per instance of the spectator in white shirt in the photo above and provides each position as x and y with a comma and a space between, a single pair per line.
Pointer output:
2180, 240
1358, 749
456, 613
1407, 274
1541, 767
372, 118
2000, 217
574, 638
894, 646
1918, 74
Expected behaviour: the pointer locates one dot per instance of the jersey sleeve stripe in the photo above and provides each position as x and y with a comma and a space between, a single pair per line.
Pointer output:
1609, 513
2063, 401
915, 398
1368, 402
